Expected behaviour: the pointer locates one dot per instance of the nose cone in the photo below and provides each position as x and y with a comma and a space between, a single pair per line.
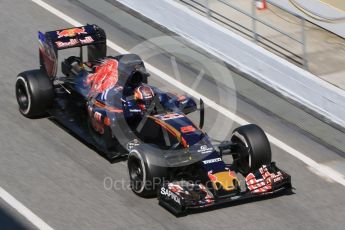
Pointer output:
224, 180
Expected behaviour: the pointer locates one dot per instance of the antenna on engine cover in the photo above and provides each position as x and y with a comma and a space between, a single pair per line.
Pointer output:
202, 114
81, 57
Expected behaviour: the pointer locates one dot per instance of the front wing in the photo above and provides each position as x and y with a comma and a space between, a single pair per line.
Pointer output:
180, 196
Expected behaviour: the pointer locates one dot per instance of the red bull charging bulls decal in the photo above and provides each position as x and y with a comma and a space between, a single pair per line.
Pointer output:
105, 77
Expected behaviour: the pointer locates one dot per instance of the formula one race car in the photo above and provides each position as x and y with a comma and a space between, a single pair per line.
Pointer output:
107, 102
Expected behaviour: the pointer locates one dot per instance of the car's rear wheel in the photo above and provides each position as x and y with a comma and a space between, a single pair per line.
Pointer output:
253, 148
34, 93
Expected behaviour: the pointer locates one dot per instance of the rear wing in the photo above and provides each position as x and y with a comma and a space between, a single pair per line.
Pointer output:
91, 36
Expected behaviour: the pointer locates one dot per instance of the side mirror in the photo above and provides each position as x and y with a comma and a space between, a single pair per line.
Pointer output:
187, 105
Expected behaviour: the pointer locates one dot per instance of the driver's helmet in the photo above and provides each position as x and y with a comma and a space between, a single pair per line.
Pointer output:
143, 95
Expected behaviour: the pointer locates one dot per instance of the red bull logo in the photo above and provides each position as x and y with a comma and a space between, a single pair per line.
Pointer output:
71, 32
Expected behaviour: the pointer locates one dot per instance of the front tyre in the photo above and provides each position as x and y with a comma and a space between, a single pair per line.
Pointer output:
253, 148
140, 179
34, 93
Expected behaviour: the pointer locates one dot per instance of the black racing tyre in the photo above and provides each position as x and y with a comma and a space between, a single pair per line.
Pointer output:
34, 92
141, 180
255, 149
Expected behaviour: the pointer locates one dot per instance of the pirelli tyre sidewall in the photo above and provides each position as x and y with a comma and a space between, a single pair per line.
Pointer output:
256, 148
151, 176
34, 93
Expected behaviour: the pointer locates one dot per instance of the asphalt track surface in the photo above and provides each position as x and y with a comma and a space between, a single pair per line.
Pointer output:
62, 181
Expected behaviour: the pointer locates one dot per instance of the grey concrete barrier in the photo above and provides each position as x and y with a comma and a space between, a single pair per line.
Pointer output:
288, 80
319, 8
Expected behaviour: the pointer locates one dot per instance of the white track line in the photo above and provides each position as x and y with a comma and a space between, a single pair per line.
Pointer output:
323, 169
24, 211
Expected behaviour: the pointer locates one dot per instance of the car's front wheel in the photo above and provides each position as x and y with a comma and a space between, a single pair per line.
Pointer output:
141, 181
253, 148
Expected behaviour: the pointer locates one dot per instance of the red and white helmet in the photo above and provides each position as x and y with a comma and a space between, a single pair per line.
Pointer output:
144, 96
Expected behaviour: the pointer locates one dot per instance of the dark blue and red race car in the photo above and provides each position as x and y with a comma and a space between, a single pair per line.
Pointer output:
107, 102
